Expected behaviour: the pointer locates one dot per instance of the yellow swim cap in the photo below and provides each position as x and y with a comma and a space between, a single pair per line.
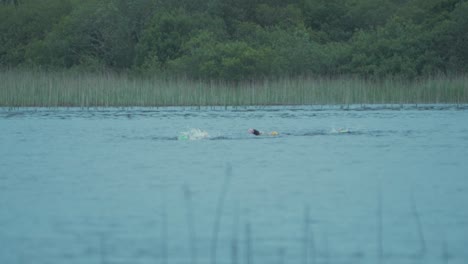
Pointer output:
274, 133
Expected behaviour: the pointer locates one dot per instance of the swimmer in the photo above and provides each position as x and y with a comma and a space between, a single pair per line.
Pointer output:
258, 133
254, 131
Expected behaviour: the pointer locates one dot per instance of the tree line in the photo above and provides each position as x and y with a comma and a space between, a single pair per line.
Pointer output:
238, 39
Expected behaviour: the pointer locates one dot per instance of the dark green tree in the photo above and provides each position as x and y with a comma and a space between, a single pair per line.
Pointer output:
168, 31
26, 24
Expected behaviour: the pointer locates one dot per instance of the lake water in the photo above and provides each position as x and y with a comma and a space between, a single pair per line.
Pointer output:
355, 185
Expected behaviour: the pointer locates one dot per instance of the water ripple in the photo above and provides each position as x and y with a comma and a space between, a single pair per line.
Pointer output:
251, 111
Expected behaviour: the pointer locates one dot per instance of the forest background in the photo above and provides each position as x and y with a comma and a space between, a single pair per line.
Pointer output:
238, 39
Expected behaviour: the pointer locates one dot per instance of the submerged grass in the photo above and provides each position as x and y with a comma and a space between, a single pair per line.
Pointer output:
20, 88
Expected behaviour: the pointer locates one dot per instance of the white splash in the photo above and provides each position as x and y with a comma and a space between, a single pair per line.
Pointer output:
340, 131
193, 134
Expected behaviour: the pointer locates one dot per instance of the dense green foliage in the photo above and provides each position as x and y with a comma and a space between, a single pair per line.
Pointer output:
238, 39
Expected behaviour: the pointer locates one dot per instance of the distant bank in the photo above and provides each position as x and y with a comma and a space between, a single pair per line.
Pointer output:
33, 88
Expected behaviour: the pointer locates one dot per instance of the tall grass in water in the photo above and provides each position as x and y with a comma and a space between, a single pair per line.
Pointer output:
219, 213
55, 89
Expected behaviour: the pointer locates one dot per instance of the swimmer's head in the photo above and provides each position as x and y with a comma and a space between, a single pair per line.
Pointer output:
254, 131
274, 133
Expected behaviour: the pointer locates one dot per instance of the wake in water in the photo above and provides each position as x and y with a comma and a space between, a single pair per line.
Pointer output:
193, 134
198, 134
340, 131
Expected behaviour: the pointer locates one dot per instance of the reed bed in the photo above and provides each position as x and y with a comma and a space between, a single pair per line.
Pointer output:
29, 88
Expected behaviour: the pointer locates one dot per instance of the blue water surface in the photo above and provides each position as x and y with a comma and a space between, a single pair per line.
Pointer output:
380, 184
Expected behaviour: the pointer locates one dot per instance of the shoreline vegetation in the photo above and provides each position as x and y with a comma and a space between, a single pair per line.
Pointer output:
33, 88
219, 53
